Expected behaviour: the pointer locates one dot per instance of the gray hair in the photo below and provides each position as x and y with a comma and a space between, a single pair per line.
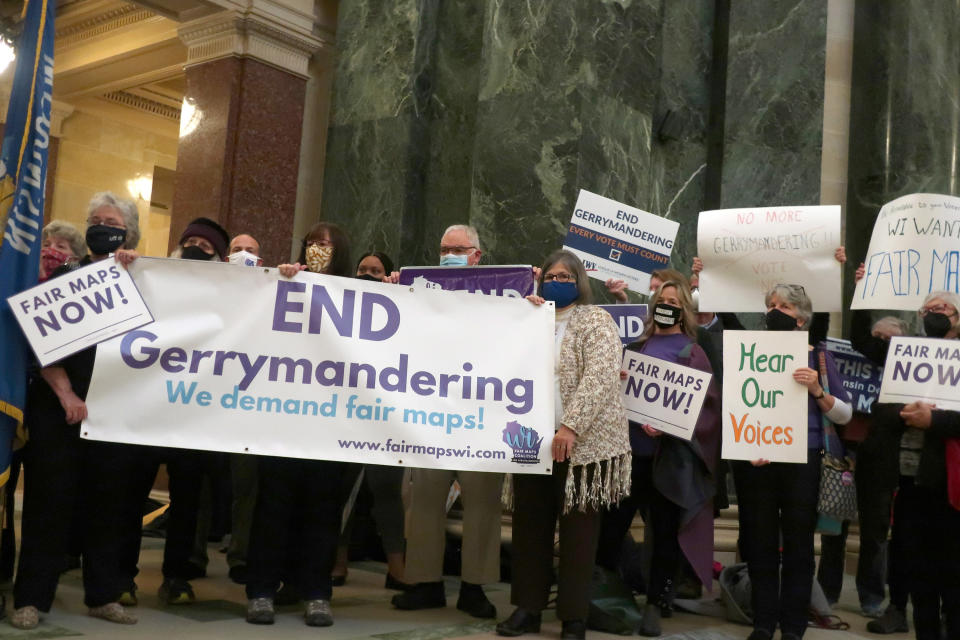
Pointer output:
890, 324
793, 294
471, 232
950, 298
68, 232
127, 208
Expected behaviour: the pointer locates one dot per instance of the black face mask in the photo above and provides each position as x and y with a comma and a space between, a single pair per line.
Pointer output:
936, 325
779, 321
369, 277
666, 315
103, 239
195, 253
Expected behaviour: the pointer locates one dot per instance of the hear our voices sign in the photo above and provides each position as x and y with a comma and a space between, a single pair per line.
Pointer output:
914, 250
246, 361
80, 308
764, 408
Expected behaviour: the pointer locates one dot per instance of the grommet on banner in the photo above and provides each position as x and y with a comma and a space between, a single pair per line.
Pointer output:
399, 461
86, 433
246, 449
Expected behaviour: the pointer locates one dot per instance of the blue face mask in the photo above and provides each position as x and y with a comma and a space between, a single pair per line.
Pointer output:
562, 294
453, 260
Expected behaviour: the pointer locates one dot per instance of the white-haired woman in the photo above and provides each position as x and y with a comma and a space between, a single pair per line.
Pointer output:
62, 471
778, 501
591, 459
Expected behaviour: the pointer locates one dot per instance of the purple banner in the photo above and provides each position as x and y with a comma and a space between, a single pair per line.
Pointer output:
861, 378
514, 281
629, 319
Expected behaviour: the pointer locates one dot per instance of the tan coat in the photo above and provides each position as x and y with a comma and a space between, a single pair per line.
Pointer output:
589, 372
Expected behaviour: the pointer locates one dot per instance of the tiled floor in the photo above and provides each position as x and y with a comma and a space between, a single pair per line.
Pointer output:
361, 610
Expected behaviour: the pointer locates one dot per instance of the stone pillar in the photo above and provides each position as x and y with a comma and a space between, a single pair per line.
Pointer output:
241, 126
904, 110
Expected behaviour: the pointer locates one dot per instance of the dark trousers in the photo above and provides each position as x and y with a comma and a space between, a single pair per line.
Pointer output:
874, 502
661, 544
137, 466
296, 524
385, 484
928, 531
778, 502
64, 476
538, 502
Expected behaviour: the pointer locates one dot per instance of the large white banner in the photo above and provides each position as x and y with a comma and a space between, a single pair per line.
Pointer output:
747, 251
914, 250
665, 395
926, 369
615, 240
244, 360
764, 408
71, 312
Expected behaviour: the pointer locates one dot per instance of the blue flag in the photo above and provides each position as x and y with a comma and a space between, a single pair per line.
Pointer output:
23, 173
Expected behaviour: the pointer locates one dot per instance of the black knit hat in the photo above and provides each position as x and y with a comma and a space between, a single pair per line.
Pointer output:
209, 230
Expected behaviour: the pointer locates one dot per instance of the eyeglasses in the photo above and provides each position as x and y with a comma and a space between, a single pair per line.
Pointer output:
559, 277
457, 251
945, 309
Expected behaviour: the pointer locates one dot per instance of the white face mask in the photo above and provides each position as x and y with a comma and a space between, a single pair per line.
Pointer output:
245, 258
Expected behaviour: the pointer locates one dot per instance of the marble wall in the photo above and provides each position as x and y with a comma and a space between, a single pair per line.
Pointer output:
496, 113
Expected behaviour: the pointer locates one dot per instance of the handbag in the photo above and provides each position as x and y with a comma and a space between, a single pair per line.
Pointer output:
838, 493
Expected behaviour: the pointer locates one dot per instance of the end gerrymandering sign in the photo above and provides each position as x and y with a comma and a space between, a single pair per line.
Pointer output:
914, 250
618, 241
747, 251
328, 368
926, 369
69, 313
764, 408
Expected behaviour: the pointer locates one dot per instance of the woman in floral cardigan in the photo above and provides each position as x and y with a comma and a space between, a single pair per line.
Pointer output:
591, 458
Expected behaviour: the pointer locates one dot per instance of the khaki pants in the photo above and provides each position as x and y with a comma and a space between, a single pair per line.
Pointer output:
427, 518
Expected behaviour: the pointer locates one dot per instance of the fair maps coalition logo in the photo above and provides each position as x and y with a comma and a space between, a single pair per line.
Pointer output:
524, 441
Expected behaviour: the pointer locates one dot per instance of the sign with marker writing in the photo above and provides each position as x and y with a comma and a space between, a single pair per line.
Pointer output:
69, 313
926, 369
618, 241
665, 395
764, 408
329, 368
629, 319
747, 251
914, 250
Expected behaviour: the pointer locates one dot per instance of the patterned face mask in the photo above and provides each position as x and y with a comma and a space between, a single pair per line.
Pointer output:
319, 258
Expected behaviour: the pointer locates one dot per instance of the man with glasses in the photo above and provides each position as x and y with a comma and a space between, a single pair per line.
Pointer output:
480, 493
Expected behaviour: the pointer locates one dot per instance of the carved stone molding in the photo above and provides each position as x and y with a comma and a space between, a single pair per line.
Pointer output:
143, 104
101, 23
231, 33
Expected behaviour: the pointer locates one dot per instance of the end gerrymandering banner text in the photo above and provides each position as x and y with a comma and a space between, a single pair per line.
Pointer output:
244, 360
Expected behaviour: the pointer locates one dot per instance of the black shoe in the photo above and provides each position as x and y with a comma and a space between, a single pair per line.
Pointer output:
650, 624
176, 591
423, 595
395, 585
759, 634
573, 630
238, 574
520, 622
789, 636
474, 601
893, 620
338, 581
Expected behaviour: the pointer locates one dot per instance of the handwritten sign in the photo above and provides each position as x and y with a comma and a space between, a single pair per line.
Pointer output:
860, 377
764, 409
67, 314
925, 369
914, 250
747, 251
664, 395
615, 240
629, 318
